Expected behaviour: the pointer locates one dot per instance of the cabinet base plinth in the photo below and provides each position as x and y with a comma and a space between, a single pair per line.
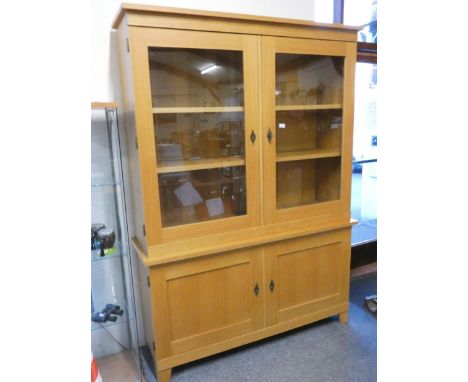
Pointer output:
344, 317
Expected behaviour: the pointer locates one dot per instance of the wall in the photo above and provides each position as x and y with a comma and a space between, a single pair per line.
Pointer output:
105, 83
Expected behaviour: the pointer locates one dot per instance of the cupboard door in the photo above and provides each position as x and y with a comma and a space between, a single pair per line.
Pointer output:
306, 275
197, 115
307, 126
204, 301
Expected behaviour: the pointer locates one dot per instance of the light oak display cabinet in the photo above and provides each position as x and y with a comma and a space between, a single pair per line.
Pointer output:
239, 131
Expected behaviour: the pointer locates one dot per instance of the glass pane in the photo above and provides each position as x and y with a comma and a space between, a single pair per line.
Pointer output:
364, 183
196, 136
201, 195
198, 115
308, 80
362, 12
195, 77
309, 97
307, 181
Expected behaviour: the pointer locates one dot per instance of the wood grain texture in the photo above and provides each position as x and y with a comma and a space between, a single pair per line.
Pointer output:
135, 176
343, 317
202, 164
164, 375
251, 337
307, 154
207, 300
307, 275
169, 21
309, 107
154, 9
202, 246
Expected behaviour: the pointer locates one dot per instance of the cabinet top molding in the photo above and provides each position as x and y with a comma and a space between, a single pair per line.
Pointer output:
239, 17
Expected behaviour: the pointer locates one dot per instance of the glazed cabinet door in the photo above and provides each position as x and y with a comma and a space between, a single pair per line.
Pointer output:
307, 93
307, 275
205, 301
197, 123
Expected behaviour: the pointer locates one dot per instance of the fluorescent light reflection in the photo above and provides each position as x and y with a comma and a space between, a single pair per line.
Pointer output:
208, 69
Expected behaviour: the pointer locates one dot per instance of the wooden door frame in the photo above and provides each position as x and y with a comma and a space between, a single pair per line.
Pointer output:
347, 50
140, 39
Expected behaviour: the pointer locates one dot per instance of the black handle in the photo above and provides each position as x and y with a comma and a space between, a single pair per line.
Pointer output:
252, 137
256, 290
272, 285
269, 135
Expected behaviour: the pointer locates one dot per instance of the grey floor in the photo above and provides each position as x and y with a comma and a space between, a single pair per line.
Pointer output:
320, 352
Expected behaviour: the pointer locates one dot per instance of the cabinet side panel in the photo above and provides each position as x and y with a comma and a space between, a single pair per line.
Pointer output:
136, 215
128, 108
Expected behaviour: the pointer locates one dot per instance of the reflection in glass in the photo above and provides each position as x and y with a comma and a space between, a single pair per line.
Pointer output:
303, 130
307, 181
196, 78
308, 80
195, 136
195, 196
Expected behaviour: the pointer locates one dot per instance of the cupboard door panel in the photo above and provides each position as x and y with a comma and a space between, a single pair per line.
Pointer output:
306, 88
197, 109
212, 299
309, 274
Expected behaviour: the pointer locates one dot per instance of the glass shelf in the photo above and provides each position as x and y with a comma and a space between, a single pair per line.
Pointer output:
105, 184
120, 320
105, 180
95, 255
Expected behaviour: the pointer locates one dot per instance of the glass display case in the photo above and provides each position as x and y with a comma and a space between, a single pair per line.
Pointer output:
114, 331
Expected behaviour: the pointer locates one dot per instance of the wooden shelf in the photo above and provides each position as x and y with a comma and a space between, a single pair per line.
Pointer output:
332, 106
200, 164
213, 109
308, 154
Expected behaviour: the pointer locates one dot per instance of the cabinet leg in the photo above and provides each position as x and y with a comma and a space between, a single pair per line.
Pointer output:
164, 375
344, 317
